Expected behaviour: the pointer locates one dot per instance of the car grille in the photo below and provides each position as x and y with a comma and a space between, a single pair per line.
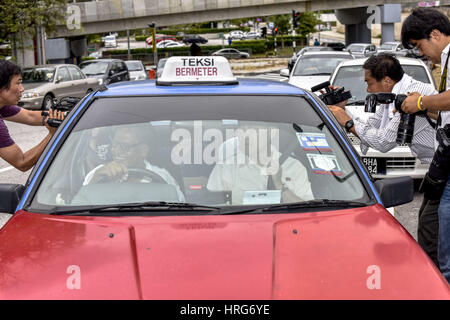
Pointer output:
401, 163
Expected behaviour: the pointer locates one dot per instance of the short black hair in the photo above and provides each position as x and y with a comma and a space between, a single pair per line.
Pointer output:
384, 64
8, 70
421, 22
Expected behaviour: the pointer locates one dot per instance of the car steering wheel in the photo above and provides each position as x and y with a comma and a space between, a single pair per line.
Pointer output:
154, 177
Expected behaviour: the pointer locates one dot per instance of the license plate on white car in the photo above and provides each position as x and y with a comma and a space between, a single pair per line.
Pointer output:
375, 165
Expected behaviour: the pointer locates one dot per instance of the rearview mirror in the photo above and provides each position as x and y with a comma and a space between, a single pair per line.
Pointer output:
10, 195
395, 191
284, 72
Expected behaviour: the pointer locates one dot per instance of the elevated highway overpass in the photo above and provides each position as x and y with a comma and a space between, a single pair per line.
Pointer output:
114, 15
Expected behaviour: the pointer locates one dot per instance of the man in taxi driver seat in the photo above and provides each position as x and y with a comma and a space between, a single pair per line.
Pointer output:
129, 161
243, 178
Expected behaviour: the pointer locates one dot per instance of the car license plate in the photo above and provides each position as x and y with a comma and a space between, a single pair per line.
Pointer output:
375, 165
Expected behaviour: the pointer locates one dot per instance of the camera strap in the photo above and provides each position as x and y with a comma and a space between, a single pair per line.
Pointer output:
443, 87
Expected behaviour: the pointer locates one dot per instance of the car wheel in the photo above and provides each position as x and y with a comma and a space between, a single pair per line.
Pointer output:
48, 102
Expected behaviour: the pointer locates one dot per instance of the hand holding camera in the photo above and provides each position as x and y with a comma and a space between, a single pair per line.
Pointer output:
58, 111
332, 96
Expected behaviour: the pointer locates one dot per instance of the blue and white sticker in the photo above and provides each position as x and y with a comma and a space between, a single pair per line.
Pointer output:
312, 141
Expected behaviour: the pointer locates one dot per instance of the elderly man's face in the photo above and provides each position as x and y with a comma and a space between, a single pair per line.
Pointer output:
128, 148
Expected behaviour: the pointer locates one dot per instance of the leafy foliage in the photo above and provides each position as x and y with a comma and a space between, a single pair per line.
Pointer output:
25, 15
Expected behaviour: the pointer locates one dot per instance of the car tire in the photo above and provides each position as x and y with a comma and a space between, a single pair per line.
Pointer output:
47, 102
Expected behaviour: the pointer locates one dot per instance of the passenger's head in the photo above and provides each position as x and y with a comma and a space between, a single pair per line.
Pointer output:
428, 30
10, 83
128, 145
381, 72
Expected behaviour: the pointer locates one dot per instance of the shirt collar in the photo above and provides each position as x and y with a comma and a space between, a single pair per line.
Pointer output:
445, 53
404, 82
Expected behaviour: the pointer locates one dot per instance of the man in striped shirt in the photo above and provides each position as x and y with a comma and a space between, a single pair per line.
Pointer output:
383, 73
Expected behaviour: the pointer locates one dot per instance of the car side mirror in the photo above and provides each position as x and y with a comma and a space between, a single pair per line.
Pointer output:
395, 191
284, 72
58, 79
112, 72
10, 195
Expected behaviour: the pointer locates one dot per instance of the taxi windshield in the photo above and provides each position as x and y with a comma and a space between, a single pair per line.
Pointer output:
206, 153
318, 64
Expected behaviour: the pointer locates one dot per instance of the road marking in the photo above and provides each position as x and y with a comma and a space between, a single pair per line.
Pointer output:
6, 169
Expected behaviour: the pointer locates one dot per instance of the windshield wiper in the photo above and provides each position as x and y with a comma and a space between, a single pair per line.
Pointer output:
302, 205
139, 206
360, 102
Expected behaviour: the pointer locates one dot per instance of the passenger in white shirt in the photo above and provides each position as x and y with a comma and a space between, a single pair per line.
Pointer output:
240, 176
128, 151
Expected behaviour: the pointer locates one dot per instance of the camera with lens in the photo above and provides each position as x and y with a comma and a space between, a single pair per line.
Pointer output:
331, 97
405, 130
65, 105
434, 182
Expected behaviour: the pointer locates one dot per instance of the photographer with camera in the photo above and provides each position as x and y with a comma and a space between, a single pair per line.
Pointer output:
10, 93
383, 73
428, 30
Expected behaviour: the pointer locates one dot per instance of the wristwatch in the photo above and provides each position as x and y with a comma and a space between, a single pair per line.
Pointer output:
348, 125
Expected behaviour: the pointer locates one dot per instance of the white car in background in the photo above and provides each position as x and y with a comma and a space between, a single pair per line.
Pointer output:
110, 41
313, 68
137, 70
398, 161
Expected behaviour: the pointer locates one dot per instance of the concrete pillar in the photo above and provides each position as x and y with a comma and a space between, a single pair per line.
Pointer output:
357, 33
387, 32
358, 21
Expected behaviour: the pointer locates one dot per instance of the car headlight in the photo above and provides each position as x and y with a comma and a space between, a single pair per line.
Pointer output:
30, 94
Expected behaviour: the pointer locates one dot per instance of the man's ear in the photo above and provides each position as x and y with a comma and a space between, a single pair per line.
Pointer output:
435, 34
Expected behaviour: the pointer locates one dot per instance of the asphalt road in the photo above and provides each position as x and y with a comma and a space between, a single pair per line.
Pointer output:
27, 137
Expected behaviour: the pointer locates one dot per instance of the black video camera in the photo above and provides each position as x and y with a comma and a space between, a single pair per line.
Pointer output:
405, 130
332, 96
65, 105
433, 184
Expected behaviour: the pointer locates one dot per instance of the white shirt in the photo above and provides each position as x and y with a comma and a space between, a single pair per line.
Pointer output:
163, 173
239, 178
445, 115
380, 130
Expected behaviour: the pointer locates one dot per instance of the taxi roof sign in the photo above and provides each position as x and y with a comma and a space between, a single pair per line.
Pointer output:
196, 70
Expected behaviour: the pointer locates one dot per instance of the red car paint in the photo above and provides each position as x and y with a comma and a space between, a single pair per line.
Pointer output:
317, 255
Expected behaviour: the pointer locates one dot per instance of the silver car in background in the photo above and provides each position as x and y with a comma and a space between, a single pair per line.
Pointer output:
398, 161
136, 70
46, 82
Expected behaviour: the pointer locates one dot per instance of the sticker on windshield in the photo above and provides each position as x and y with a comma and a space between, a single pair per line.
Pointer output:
324, 164
311, 141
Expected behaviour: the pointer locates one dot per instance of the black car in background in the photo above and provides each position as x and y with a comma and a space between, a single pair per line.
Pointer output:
194, 38
336, 46
106, 70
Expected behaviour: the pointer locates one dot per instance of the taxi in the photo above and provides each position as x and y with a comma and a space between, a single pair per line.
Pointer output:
201, 185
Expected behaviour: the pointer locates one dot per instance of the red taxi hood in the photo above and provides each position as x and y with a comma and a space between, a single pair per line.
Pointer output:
347, 254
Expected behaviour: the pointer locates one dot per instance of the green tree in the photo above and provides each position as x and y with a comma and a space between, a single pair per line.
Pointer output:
307, 23
23, 16
283, 23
